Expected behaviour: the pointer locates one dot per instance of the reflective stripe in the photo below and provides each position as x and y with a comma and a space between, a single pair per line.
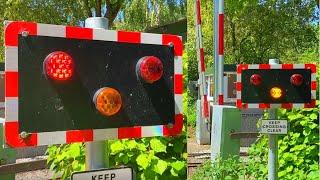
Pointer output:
47, 138
298, 66
149, 131
313, 94
178, 67
103, 134
11, 58
298, 105
105, 35
147, 38
253, 105
275, 66
221, 6
238, 94
51, 30
11, 109
275, 105
178, 103
253, 66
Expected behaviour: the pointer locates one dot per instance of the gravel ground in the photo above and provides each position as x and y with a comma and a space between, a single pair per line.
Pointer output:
43, 174
35, 175
193, 146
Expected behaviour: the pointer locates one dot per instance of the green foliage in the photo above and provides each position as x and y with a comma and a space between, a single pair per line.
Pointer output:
42, 11
138, 15
207, 32
256, 31
152, 158
298, 150
134, 14
189, 109
230, 168
65, 159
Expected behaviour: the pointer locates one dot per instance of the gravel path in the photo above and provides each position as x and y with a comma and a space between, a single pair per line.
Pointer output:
43, 174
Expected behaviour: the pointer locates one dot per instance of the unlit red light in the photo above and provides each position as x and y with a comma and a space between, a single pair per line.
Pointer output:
296, 79
276, 92
150, 69
108, 101
255, 79
59, 65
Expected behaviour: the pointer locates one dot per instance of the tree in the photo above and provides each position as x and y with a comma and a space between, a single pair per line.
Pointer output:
151, 13
134, 14
258, 30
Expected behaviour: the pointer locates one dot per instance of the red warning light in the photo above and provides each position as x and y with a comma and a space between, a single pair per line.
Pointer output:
150, 69
256, 79
296, 79
59, 65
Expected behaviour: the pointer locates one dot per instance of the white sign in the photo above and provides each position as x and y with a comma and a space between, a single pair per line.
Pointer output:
104, 174
273, 126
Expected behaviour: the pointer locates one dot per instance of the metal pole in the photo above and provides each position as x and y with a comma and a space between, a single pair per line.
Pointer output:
97, 152
201, 63
219, 50
273, 143
216, 57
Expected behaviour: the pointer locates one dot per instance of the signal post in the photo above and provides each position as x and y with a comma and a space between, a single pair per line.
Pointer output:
97, 153
69, 84
271, 86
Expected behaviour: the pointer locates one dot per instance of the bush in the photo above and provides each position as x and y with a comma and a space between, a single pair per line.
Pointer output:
298, 153
151, 158
230, 168
66, 158
189, 110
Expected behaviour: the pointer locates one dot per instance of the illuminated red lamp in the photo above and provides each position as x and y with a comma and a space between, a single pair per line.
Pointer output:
296, 79
58, 65
256, 79
150, 69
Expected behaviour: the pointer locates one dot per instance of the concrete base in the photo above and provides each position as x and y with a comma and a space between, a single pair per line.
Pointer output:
202, 128
225, 119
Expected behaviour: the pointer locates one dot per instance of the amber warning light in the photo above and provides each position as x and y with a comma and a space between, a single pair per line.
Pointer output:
107, 101
58, 65
276, 92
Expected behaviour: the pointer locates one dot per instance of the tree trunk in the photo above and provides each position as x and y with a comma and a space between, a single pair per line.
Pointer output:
88, 9
98, 8
112, 10
234, 39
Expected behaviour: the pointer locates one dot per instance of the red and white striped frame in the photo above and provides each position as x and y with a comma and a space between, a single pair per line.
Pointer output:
12, 137
242, 67
201, 63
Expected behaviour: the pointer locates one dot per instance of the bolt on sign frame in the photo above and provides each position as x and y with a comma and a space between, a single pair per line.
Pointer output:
273, 72
15, 30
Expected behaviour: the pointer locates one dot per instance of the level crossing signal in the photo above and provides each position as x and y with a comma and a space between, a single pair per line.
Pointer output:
280, 85
69, 84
